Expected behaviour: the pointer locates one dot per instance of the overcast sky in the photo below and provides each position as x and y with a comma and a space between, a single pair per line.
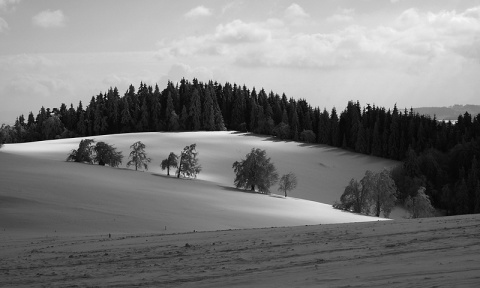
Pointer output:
409, 52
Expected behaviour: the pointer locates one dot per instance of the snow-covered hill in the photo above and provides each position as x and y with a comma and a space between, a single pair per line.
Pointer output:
41, 193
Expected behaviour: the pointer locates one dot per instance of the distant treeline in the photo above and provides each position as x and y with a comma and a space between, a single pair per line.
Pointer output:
447, 153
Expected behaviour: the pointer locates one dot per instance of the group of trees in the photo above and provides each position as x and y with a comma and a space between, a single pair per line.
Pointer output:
192, 106
105, 154
373, 195
450, 179
187, 165
447, 153
256, 172
102, 153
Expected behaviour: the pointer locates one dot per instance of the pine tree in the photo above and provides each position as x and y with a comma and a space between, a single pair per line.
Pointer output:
334, 140
195, 111
183, 119
208, 113
323, 128
126, 117
361, 144
377, 140
169, 111
294, 125
144, 116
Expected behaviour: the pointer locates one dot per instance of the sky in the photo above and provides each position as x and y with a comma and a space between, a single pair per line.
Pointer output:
384, 52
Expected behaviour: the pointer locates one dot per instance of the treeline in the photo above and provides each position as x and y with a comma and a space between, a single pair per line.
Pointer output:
193, 106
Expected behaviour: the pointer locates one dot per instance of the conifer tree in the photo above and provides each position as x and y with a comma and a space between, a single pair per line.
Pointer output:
126, 117
195, 111
334, 140
183, 119
208, 112
361, 145
169, 111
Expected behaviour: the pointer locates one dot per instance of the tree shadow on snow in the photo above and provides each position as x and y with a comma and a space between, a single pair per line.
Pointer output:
239, 190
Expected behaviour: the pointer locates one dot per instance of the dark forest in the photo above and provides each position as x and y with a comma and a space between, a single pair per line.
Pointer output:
440, 156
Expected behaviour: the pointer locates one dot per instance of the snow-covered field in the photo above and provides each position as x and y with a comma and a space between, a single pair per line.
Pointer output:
56, 217
435, 252
41, 193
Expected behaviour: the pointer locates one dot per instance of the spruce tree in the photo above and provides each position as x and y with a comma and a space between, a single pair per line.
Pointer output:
195, 111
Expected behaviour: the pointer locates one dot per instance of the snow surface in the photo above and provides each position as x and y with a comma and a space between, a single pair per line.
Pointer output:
435, 252
43, 194
56, 217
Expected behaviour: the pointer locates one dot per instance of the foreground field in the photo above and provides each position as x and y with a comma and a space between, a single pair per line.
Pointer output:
436, 252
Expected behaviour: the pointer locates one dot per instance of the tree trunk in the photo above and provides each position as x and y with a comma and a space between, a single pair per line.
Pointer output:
180, 164
253, 188
168, 170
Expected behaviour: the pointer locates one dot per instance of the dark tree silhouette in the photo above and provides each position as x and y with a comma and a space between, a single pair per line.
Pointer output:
84, 153
188, 165
107, 154
171, 161
255, 170
138, 157
287, 182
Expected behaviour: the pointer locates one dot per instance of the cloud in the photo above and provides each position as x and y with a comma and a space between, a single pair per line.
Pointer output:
238, 31
231, 6
344, 15
3, 25
49, 19
200, 11
8, 5
409, 44
296, 15
295, 11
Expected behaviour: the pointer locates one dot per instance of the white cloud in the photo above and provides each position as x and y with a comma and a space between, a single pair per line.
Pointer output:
3, 25
8, 5
49, 19
200, 11
238, 31
295, 11
344, 15
414, 40
231, 6
296, 15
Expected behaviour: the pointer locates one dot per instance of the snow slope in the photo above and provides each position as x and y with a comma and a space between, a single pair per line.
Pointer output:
434, 252
41, 194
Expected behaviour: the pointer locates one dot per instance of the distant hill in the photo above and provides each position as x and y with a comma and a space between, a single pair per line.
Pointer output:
448, 113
